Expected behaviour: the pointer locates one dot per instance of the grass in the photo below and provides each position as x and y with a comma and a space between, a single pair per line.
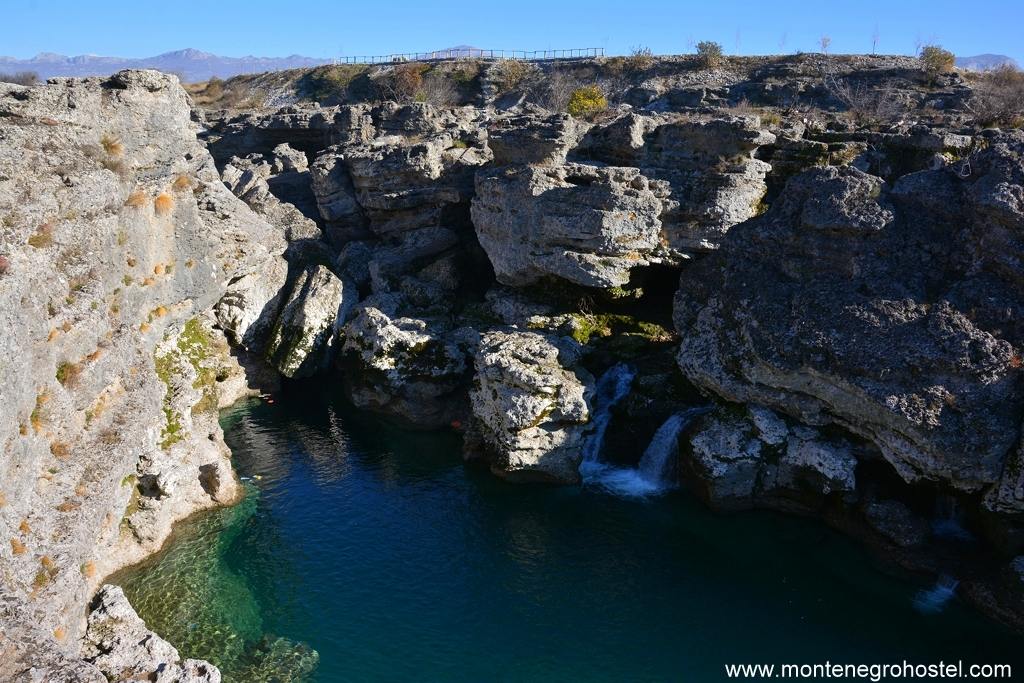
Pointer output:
42, 237
68, 374
111, 145
163, 204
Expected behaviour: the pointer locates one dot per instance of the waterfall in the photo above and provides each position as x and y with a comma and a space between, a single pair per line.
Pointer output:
933, 600
654, 473
656, 465
611, 388
948, 521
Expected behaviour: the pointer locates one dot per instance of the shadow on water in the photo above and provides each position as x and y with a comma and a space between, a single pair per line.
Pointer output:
366, 552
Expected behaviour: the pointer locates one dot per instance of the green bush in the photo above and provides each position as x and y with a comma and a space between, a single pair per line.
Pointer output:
587, 101
331, 83
935, 60
709, 53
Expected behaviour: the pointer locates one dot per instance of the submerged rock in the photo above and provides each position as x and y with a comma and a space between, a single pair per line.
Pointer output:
531, 412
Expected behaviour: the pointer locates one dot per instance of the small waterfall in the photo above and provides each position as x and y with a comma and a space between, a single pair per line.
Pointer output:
933, 600
611, 388
948, 521
656, 465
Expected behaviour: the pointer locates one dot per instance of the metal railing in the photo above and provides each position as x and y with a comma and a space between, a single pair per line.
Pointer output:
473, 53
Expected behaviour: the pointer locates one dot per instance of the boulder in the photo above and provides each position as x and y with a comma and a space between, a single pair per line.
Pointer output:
534, 136
530, 411
303, 338
586, 224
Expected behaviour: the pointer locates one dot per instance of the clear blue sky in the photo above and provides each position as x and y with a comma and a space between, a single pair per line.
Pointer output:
325, 28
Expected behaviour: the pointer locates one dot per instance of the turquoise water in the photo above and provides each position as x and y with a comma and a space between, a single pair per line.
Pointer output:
366, 553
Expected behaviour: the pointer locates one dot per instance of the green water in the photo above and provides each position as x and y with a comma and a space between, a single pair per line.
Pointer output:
365, 553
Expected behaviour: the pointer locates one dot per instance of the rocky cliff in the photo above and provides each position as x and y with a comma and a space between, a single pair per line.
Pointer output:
840, 285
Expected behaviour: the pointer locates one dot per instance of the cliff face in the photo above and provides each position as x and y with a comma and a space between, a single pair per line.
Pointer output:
118, 236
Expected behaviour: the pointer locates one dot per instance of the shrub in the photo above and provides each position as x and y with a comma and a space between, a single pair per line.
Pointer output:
935, 60
709, 53
111, 145
163, 203
331, 83
43, 236
510, 73
17, 547
60, 449
68, 374
639, 59
181, 183
587, 101
20, 78
403, 83
438, 90
998, 98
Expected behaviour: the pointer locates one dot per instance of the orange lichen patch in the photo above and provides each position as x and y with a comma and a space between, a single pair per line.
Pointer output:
53, 335
181, 183
17, 547
160, 311
60, 633
158, 269
88, 569
24, 527
144, 327
163, 203
60, 449
148, 281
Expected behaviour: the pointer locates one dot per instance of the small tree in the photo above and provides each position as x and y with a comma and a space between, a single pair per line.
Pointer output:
825, 42
709, 53
587, 101
640, 58
935, 60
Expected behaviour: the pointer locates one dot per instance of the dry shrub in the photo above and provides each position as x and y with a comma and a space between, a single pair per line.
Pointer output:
508, 74
438, 90
866, 105
163, 203
24, 527
640, 59
111, 145
36, 418
998, 98
60, 449
403, 83
60, 633
17, 547
68, 374
556, 90
88, 569
160, 311
136, 199
158, 269
43, 236
181, 183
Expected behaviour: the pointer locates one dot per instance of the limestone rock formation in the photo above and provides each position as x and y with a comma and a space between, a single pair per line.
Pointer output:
530, 410
853, 304
740, 460
586, 224
121, 646
409, 367
534, 136
303, 339
118, 237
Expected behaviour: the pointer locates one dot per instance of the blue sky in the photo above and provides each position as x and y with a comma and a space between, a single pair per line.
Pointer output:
322, 28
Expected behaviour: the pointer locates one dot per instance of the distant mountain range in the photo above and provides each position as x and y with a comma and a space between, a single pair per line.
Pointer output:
196, 65
190, 65
983, 62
